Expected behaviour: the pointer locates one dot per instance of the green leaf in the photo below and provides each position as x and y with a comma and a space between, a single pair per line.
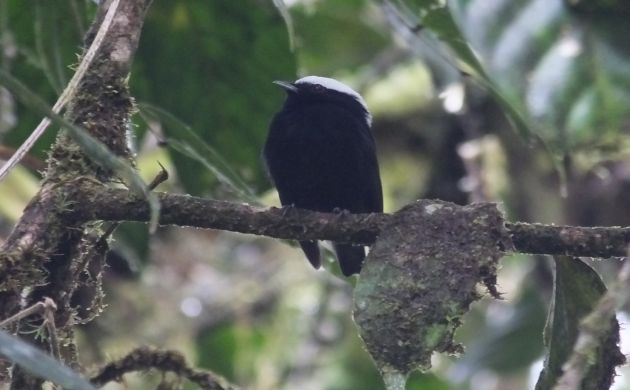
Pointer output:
577, 289
40, 364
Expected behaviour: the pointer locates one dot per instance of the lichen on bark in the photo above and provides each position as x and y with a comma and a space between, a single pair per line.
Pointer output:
418, 282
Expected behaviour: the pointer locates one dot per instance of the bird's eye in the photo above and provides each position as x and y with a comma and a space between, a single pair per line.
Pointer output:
318, 88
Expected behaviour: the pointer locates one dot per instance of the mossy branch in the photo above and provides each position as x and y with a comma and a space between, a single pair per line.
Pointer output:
145, 359
297, 224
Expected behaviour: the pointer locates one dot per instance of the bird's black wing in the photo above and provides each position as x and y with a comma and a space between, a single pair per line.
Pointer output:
373, 188
323, 159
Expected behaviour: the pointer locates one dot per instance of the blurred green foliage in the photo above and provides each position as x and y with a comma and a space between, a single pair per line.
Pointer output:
319, 25
234, 50
567, 72
44, 41
517, 332
226, 341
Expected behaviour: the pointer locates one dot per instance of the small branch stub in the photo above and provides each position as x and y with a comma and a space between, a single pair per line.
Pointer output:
417, 283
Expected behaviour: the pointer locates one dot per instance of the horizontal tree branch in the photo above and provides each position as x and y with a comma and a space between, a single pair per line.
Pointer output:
298, 224
570, 240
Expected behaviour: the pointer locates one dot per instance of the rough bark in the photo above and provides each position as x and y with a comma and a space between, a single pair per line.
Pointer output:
183, 210
45, 249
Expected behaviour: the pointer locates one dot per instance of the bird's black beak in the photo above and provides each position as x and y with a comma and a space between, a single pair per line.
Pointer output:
289, 87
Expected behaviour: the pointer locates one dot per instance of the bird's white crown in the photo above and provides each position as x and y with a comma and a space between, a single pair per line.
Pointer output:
338, 86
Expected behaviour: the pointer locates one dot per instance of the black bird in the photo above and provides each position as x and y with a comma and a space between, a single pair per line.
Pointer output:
321, 156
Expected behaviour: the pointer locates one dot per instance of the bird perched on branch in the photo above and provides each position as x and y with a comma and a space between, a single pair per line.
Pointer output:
321, 156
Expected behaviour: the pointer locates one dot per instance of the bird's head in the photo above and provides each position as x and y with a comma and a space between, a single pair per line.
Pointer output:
316, 89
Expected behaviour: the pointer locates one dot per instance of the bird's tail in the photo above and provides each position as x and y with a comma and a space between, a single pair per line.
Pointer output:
350, 258
311, 250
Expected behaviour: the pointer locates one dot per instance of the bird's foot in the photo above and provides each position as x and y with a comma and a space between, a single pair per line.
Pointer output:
340, 211
286, 209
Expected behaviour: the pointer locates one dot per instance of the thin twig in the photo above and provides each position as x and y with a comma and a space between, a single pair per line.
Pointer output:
51, 328
67, 93
46, 308
35, 309
29, 161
